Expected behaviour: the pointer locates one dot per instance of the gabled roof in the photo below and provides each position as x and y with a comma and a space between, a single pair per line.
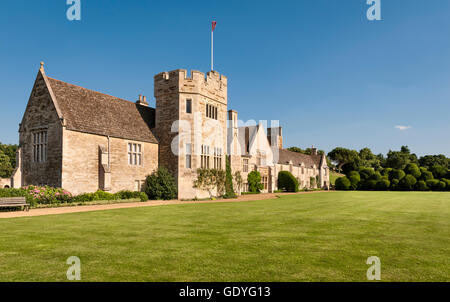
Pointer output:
93, 112
286, 156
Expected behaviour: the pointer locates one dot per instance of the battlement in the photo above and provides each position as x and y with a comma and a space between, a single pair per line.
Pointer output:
212, 85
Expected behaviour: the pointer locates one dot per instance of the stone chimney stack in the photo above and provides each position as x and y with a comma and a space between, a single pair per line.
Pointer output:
142, 100
275, 137
313, 150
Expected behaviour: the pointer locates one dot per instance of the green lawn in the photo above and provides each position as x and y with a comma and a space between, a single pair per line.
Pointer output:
308, 237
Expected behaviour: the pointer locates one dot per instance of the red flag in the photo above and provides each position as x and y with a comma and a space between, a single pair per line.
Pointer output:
214, 23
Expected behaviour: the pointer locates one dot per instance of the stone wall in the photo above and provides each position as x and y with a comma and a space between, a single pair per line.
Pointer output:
81, 170
41, 115
5, 182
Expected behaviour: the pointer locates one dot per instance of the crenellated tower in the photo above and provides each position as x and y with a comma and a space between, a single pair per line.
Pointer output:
191, 124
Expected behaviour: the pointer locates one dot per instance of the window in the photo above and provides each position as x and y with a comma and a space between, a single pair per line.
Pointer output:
134, 154
40, 146
139, 185
188, 106
245, 165
218, 158
211, 111
265, 182
188, 156
205, 157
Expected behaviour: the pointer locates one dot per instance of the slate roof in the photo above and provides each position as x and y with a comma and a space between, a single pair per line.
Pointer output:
93, 112
285, 156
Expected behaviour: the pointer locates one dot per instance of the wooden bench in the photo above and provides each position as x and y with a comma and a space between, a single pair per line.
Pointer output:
12, 202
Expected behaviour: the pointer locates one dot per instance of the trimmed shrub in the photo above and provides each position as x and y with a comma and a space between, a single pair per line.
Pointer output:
394, 184
386, 171
382, 185
229, 190
396, 174
343, 183
287, 181
438, 171
407, 183
354, 178
413, 169
426, 175
376, 176
447, 183
161, 185
254, 182
433, 184
442, 185
366, 173
421, 185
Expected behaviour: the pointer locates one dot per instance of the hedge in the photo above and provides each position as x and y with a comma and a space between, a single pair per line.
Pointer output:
287, 181
343, 183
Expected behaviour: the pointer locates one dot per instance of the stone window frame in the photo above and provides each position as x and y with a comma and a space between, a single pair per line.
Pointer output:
205, 157
188, 155
212, 111
40, 146
245, 163
135, 152
189, 106
218, 158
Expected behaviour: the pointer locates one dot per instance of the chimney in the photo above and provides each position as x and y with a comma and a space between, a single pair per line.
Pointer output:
275, 137
142, 100
313, 151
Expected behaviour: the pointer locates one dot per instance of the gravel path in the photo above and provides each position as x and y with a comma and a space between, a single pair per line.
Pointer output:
77, 209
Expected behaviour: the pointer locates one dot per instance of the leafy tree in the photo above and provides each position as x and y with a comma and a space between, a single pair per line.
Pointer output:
421, 186
254, 182
382, 185
426, 175
6, 167
287, 181
429, 161
10, 151
343, 156
161, 185
366, 173
396, 174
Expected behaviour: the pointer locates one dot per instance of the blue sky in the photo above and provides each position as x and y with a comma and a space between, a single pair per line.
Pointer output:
329, 75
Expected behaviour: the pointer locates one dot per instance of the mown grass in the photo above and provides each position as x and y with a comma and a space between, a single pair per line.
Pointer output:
305, 237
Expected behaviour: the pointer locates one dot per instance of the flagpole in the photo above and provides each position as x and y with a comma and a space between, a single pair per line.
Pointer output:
212, 49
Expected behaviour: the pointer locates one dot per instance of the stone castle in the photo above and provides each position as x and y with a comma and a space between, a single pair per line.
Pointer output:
85, 141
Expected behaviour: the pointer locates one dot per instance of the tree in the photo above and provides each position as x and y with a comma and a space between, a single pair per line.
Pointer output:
438, 171
342, 156
407, 183
429, 161
229, 190
254, 182
6, 168
161, 185
354, 178
238, 181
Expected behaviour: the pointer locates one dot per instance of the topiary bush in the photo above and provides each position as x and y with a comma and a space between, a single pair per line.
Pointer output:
160, 185
438, 171
229, 190
413, 170
382, 185
376, 176
254, 182
343, 183
447, 183
395, 184
433, 184
421, 185
426, 175
396, 174
287, 182
408, 182
354, 178
366, 173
